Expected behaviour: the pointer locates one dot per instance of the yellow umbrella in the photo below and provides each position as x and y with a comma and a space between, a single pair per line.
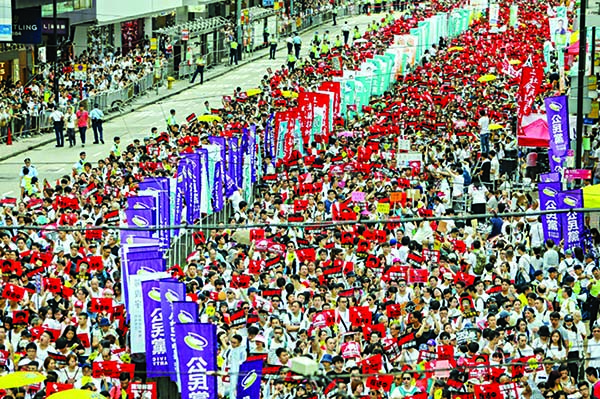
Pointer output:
289, 94
495, 126
253, 92
486, 78
456, 48
514, 62
209, 118
76, 394
20, 379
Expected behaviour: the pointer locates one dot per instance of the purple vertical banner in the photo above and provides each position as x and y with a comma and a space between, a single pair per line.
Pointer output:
572, 222
234, 170
551, 177
156, 346
162, 186
248, 385
557, 113
185, 312
551, 222
192, 187
269, 137
252, 153
170, 291
180, 190
197, 354
218, 198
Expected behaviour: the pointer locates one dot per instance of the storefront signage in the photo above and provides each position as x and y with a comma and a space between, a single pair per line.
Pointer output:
62, 26
27, 25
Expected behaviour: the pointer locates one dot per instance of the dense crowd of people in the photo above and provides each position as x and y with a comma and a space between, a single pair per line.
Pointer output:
388, 303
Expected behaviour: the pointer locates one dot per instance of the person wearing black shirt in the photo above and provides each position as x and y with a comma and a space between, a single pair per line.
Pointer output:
338, 370
423, 331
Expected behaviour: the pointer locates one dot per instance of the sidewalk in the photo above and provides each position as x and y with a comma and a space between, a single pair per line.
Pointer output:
154, 96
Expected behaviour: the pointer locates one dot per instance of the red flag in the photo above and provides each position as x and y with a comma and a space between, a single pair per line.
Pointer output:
531, 79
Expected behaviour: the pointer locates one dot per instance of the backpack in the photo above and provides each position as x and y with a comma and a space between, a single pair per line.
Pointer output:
480, 262
466, 177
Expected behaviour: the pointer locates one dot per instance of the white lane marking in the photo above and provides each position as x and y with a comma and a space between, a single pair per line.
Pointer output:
60, 170
98, 153
7, 193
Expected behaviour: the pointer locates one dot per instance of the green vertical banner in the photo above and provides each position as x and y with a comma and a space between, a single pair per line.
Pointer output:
375, 74
348, 93
419, 53
404, 64
547, 55
387, 62
513, 19
363, 90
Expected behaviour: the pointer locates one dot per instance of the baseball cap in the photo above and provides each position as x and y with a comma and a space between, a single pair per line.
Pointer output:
78, 304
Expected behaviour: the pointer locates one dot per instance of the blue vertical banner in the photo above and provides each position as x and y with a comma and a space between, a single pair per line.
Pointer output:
557, 113
248, 385
551, 222
269, 137
170, 291
185, 312
235, 162
572, 222
180, 191
162, 186
196, 351
191, 182
154, 331
218, 198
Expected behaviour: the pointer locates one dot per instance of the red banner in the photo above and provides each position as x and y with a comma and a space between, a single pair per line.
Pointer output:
531, 79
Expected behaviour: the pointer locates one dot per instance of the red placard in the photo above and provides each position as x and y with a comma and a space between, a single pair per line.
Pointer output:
306, 255
13, 292
360, 316
54, 387
380, 382
372, 364
418, 275
323, 319
93, 234
107, 368
255, 266
350, 350
100, 305
368, 330
52, 285
20, 316
240, 281
96, 263
257, 234
394, 310
143, 390
488, 391
300, 205
85, 339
